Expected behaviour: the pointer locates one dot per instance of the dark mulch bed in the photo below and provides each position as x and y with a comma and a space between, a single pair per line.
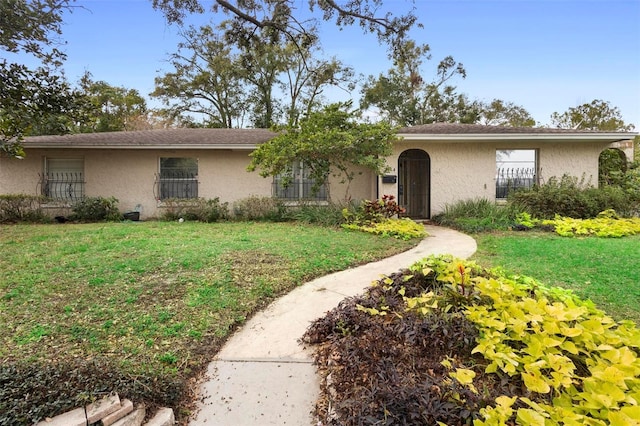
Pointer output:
387, 370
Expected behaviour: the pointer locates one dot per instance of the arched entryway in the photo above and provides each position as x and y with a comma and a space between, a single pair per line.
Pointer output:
611, 163
414, 182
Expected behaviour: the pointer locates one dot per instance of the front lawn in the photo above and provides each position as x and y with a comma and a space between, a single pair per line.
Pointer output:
143, 306
604, 270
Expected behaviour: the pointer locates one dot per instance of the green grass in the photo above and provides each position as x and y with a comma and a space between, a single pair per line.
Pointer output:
604, 270
155, 297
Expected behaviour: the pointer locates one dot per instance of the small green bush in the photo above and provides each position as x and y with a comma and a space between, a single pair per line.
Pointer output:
22, 208
570, 197
260, 209
96, 209
196, 209
324, 215
476, 215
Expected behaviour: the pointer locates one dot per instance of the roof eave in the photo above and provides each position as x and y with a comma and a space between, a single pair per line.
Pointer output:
235, 147
478, 137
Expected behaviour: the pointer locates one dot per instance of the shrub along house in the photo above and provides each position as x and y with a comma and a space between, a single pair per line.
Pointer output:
431, 166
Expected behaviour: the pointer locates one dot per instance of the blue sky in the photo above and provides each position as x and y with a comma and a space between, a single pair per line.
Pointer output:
546, 55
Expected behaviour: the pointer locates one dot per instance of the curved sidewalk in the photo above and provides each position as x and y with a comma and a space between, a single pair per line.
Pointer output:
262, 376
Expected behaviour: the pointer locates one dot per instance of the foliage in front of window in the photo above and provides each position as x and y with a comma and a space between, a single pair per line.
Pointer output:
629, 182
612, 163
260, 208
547, 357
571, 197
22, 208
197, 209
96, 209
328, 142
607, 224
296, 184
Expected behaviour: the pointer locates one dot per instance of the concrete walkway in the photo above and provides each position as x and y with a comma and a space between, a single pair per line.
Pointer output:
262, 376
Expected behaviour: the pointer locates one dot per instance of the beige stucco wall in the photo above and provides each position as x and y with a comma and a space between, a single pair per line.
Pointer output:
128, 175
462, 171
459, 170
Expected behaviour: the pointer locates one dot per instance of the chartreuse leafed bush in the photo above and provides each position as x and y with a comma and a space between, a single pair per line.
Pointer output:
541, 355
404, 228
380, 217
607, 224
579, 365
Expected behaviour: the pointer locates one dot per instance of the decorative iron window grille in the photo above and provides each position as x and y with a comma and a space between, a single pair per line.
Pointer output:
62, 186
175, 184
300, 186
299, 190
511, 179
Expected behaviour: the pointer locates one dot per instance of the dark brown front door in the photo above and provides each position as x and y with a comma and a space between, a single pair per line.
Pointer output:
414, 170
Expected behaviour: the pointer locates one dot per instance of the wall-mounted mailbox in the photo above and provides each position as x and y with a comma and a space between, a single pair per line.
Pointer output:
389, 179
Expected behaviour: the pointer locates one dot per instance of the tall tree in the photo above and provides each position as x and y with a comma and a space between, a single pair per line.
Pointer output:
270, 79
263, 60
306, 79
404, 96
597, 115
207, 80
32, 100
328, 142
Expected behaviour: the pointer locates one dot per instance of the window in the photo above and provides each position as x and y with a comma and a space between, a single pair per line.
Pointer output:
63, 179
300, 187
178, 178
515, 169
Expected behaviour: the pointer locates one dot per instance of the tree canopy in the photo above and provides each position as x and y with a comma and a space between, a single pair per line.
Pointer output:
501, 113
19, 34
596, 115
600, 115
109, 108
298, 25
32, 100
328, 142
405, 96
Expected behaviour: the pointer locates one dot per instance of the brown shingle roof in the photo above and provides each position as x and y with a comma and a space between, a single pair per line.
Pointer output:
157, 138
251, 138
457, 129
